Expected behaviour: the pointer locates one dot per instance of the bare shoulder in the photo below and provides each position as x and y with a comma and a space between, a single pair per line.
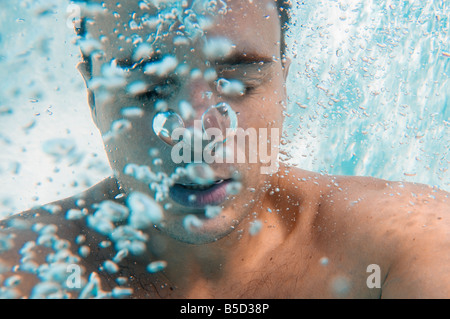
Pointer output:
387, 208
390, 202
402, 227
37, 245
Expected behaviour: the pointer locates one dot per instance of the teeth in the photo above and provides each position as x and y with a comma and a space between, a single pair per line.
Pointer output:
201, 187
197, 187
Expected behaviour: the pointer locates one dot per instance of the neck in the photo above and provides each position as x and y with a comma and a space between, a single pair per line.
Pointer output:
220, 268
197, 270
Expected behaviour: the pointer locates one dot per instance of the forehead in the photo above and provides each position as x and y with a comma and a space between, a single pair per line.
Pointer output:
122, 26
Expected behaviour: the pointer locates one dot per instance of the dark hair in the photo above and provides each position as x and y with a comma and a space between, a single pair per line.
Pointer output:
284, 8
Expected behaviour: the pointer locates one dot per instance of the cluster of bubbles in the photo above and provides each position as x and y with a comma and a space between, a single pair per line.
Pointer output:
123, 225
191, 22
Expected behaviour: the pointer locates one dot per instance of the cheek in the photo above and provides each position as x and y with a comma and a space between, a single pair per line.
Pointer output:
262, 113
130, 139
265, 109
107, 111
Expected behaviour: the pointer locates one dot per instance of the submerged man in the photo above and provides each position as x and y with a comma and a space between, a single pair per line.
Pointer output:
165, 228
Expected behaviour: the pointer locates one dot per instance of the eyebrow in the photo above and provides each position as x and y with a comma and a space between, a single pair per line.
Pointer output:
237, 58
241, 58
128, 63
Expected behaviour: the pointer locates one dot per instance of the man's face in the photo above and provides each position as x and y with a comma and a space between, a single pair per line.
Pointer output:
250, 35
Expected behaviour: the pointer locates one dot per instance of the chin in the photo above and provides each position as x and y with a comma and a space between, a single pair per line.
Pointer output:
211, 229
197, 236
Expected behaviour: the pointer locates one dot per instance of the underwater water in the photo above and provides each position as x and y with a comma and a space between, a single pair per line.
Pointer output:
43, 103
368, 90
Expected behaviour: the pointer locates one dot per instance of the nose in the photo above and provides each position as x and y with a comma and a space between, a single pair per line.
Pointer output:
200, 97
203, 115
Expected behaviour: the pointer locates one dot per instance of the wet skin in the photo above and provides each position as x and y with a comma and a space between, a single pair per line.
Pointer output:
261, 107
352, 221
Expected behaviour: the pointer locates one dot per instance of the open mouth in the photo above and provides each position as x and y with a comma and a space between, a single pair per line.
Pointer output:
199, 196
194, 186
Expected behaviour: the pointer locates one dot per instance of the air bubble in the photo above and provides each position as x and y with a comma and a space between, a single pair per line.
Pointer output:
111, 211
165, 123
143, 51
217, 48
121, 281
255, 227
29, 266
133, 25
163, 67
121, 254
145, 211
180, 40
191, 221
137, 87
104, 244
324, 261
80, 239
110, 266
153, 152
119, 292
129, 238
89, 46
187, 112
230, 87
52, 209
59, 147
12, 281
55, 272
84, 251
223, 117
141, 173
212, 211
340, 286
93, 288
132, 112
200, 173
156, 266
210, 75
47, 290
74, 214
102, 226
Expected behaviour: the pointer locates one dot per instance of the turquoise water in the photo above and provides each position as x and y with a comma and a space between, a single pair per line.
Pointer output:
370, 89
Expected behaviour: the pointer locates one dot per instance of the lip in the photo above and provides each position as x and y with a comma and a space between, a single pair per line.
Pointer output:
213, 195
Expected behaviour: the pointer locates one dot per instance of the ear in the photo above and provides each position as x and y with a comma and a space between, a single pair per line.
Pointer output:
286, 65
84, 68
85, 71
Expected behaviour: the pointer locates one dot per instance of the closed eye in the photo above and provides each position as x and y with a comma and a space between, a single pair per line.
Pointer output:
252, 76
163, 89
